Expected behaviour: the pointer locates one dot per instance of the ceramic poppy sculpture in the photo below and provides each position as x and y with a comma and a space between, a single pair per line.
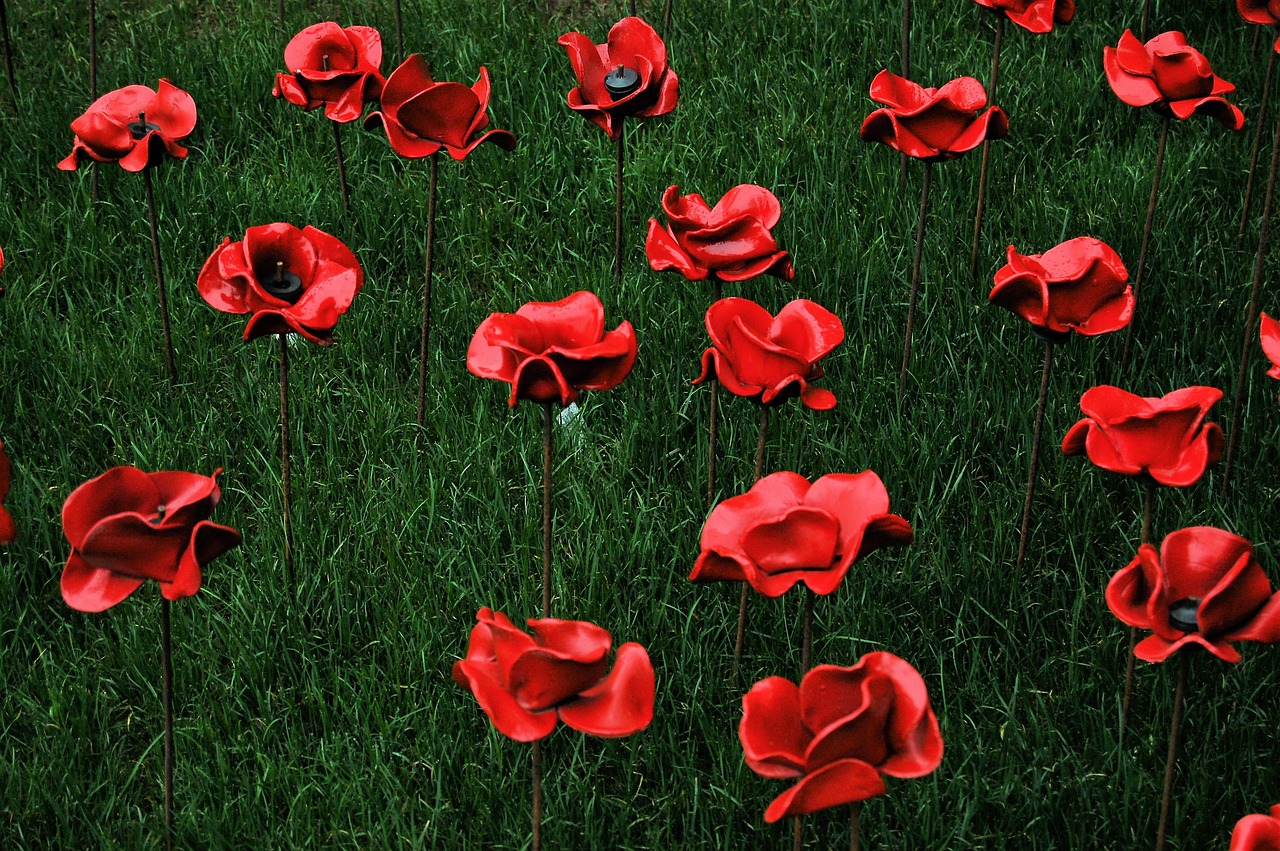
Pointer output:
732, 241
134, 126
289, 279
526, 683
771, 359
421, 116
838, 732
1170, 76
1269, 331
550, 351
8, 532
1166, 438
1078, 286
626, 76
1036, 16
1257, 832
1203, 587
1262, 12
786, 531
932, 124
334, 67
127, 526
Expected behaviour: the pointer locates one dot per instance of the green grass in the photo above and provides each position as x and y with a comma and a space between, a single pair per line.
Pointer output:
323, 715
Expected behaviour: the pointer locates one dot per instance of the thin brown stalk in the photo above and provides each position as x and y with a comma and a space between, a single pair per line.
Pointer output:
537, 795
986, 147
806, 640
93, 86
337, 147
617, 207
1250, 334
1257, 142
169, 363
1146, 242
1179, 697
742, 600
426, 295
399, 32
1146, 19
546, 510
1148, 506
284, 457
1035, 453
666, 21
855, 826
166, 698
915, 282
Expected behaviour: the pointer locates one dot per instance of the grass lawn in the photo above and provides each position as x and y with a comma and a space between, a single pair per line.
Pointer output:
322, 714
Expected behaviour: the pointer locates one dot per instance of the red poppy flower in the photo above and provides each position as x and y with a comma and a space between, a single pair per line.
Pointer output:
628, 75
8, 532
1270, 333
524, 683
1037, 16
127, 526
352, 75
422, 116
1080, 285
289, 279
1257, 832
133, 126
771, 360
733, 241
839, 731
1170, 76
548, 351
785, 531
1166, 438
1204, 587
932, 124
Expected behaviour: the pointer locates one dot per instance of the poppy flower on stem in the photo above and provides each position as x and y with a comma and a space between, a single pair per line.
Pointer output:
839, 733
1257, 832
1203, 588
548, 352
289, 280
136, 126
526, 683
126, 527
1251, 314
1079, 285
930, 125
1175, 80
1267, 14
8, 532
421, 117
626, 76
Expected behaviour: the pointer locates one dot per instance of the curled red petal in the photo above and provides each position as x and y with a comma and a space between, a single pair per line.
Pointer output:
621, 703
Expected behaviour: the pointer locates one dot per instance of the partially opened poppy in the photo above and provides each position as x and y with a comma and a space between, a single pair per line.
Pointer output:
731, 242
524, 682
1170, 76
839, 731
421, 116
8, 532
1204, 587
768, 359
1257, 832
785, 531
334, 67
550, 351
1166, 437
626, 76
134, 126
1269, 331
932, 124
1080, 285
1037, 16
127, 526
288, 279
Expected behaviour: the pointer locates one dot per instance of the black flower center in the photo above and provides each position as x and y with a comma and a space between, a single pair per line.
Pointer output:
160, 512
140, 128
283, 285
622, 81
1182, 614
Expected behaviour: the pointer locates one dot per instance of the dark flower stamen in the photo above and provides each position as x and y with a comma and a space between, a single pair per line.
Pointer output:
1182, 614
622, 82
283, 285
140, 128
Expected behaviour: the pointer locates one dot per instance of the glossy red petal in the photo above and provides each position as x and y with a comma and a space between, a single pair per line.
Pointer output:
1269, 332
220, 292
509, 717
443, 113
774, 739
621, 703
1130, 591
748, 200
90, 589
808, 329
833, 785
120, 490
664, 252
1257, 832
575, 320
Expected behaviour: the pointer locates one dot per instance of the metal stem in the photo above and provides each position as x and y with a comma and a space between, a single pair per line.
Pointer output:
806, 640
1146, 242
1035, 453
1179, 695
537, 795
337, 147
1148, 506
986, 147
1251, 317
1257, 140
426, 294
742, 600
166, 697
546, 510
93, 86
399, 33
284, 457
617, 208
855, 826
666, 21
170, 366
915, 282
